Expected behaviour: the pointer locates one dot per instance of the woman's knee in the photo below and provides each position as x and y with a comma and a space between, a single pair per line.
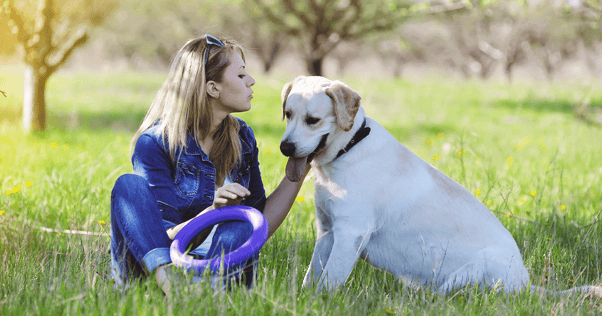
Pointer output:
129, 181
231, 235
131, 187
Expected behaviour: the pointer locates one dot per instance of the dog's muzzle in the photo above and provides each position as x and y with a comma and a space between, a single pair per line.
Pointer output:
318, 149
288, 148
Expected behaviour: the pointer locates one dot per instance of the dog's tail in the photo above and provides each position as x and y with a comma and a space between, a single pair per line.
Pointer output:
595, 291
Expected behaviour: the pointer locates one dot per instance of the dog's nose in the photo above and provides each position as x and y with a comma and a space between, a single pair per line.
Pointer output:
287, 149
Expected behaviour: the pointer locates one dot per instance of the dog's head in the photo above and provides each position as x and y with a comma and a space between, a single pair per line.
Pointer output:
314, 108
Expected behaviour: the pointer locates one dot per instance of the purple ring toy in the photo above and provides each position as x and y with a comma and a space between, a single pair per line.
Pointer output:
222, 214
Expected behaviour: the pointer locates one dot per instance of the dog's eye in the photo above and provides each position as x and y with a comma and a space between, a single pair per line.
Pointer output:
311, 120
287, 114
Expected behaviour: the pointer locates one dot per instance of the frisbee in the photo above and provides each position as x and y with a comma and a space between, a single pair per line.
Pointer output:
222, 214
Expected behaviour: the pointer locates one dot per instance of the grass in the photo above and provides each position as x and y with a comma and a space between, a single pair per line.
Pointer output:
517, 148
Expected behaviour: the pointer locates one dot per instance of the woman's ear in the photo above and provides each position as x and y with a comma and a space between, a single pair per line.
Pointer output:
213, 89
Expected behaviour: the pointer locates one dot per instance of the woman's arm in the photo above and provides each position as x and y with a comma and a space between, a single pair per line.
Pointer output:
230, 194
279, 203
173, 231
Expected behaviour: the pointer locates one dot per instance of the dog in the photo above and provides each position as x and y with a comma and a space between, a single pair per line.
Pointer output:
377, 200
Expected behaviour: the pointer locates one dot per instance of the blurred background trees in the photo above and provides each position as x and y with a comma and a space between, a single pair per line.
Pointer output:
473, 38
476, 38
480, 39
46, 32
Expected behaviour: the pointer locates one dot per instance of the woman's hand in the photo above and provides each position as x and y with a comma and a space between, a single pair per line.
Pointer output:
230, 194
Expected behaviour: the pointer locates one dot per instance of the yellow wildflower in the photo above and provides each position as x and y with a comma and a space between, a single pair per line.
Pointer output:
489, 202
509, 161
461, 152
300, 198
53, 145
533, 193
1, 212
101, 222
28, 184
16, 189
477, 192
562, 207
526, 140
436, 157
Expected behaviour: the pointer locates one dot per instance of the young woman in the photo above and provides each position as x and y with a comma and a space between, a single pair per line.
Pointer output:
190, 156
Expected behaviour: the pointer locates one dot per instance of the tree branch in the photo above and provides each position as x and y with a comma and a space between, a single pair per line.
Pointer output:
290, 5
79, 40
22, 34
278, 22
433, 9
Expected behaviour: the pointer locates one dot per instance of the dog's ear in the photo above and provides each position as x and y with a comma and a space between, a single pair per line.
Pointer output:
346, 103
285, 91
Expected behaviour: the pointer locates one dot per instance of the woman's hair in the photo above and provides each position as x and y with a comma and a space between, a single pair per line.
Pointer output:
181, 105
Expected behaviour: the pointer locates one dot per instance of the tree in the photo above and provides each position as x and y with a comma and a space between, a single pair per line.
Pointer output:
586, 17
320, 25
553, 38
47, 32
398, 48
149, 33
243, 21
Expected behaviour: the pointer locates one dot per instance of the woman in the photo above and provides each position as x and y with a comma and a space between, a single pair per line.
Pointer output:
191, 156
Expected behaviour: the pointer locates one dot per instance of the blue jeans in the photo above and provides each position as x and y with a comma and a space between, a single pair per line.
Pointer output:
139, 242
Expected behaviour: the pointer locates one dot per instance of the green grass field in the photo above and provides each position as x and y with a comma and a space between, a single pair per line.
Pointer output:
518, 149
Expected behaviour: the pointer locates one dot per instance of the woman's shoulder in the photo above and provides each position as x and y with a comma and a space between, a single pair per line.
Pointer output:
245, 129
151, 137
246, 133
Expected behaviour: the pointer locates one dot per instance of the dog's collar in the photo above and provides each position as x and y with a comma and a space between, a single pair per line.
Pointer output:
359, 135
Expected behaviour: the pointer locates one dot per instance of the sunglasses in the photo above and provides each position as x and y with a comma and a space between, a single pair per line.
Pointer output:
211, 40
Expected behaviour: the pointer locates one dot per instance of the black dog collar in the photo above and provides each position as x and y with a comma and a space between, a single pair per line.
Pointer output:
359, 135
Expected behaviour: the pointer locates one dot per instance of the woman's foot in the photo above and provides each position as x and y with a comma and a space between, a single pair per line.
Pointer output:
167, 276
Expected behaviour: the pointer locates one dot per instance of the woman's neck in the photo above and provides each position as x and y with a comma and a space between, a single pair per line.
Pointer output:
207, 142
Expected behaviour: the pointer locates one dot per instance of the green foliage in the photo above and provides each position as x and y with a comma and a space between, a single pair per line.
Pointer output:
518, 149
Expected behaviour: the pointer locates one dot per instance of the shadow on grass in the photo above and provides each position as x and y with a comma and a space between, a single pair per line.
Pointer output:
128, 122
543, 105
405, 132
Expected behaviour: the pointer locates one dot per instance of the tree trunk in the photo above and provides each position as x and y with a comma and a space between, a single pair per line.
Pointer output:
508, 68
314, 66
34, 99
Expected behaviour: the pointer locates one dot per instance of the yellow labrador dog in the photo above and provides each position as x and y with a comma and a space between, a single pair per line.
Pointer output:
377, 200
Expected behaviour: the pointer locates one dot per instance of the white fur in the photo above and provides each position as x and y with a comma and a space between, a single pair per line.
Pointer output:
384, 204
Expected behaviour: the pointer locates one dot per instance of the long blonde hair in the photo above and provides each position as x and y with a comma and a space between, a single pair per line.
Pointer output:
181, 105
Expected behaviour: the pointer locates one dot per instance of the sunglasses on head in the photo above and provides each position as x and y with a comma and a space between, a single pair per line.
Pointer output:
211, 40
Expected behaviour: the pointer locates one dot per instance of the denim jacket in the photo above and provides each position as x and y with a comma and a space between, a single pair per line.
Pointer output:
185, 187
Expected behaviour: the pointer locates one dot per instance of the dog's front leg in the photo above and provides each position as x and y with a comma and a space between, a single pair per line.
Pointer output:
349, 242
319, 258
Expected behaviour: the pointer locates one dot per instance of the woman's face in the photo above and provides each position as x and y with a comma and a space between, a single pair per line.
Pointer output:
235, 91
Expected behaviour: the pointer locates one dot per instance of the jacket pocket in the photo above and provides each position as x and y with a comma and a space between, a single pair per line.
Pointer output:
187, 179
